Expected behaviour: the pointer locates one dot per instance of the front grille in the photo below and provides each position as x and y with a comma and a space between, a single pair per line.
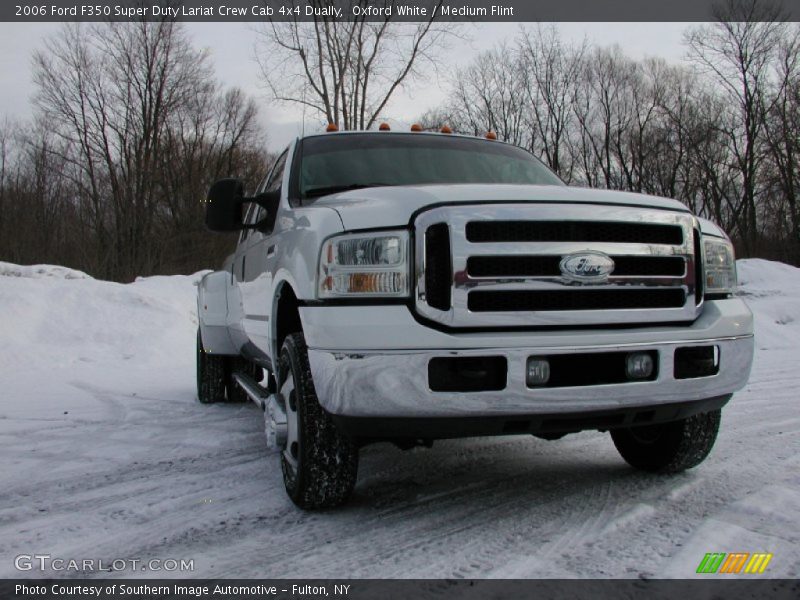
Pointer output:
499, 265
578, 299
573, 231
548, 266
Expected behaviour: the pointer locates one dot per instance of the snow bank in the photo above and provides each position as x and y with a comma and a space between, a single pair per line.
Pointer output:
61, 316
39, 271
772, 290
62, 326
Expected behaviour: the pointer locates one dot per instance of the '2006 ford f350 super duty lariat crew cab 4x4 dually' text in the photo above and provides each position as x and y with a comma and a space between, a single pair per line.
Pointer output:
417, 286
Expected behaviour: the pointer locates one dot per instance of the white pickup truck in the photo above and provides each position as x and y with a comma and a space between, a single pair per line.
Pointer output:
409, 287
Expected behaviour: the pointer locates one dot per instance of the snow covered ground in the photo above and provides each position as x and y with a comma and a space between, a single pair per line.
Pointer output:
106, 454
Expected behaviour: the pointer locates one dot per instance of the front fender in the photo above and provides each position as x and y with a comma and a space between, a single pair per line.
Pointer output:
299, 237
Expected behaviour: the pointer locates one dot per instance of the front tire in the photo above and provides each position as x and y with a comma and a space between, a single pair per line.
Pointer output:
319, 463
669, 447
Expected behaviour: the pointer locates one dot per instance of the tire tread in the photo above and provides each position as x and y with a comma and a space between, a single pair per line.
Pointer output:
328, 464
683, 444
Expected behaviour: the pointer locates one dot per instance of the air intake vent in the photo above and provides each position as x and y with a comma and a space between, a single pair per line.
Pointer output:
698, 269
573, 231
438, 268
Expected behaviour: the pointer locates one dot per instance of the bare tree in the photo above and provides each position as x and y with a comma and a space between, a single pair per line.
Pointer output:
552, 70
129, 103
37, 218
489, 95
669, 170
5, 173
783, 140
5, 158
110, 90
605, 110
347, 71
738, 52
219, 137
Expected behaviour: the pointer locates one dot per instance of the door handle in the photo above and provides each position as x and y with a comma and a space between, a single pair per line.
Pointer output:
271, 250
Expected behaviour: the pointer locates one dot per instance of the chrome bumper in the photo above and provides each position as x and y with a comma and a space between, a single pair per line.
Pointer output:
394, 383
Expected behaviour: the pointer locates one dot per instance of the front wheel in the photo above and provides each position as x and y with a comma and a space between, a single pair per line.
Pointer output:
669, 447
319, 463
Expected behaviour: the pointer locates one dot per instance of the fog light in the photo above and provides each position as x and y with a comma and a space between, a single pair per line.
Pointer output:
639, 365
537, 372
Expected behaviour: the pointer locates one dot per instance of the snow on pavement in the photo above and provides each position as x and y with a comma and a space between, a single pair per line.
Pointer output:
107, 454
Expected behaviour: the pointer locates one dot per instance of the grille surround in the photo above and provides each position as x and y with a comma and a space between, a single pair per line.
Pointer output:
532, 266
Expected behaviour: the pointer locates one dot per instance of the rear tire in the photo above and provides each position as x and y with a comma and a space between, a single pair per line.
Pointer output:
669, 447
211, 375
319, 464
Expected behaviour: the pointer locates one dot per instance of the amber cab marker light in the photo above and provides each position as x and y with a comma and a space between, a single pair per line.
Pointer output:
384, 127
491, 135
416, 127
332, 127
446, 129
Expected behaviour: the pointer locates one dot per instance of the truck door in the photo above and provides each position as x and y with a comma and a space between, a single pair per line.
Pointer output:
259, 267
236, 274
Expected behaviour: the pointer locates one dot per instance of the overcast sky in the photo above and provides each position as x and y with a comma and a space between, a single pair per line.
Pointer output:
231, 46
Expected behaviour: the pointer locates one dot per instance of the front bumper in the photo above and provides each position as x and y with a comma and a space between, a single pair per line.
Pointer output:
380, 366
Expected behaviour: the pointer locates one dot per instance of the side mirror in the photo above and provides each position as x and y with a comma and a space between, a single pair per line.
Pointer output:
224, 205
269, 201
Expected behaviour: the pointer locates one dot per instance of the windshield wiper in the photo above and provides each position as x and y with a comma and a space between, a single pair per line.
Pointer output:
334, 189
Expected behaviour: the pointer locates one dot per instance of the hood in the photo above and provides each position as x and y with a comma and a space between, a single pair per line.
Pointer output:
394, 206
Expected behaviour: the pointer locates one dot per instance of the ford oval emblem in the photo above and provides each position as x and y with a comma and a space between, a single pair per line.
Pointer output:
588, 266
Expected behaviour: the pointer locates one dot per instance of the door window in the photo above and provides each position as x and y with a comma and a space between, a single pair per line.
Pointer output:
273, 184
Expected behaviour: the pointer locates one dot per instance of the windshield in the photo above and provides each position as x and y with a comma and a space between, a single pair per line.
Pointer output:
330, 164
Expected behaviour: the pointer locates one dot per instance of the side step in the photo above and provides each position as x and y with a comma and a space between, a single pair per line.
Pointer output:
275, 424
254, 391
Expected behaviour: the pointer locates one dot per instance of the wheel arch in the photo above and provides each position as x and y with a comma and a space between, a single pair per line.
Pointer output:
285, 318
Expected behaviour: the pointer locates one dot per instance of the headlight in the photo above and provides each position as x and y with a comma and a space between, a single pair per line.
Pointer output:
364, 264
720, 266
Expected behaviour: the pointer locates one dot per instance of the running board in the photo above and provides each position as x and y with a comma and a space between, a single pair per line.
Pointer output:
255, 392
